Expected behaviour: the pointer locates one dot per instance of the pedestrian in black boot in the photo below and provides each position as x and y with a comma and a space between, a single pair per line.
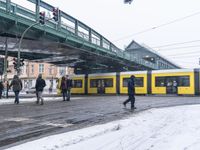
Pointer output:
131, 93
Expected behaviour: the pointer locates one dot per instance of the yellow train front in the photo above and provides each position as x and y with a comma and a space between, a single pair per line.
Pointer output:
176, 81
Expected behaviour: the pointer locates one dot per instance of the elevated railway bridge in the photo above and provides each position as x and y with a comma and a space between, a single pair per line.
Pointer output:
67, 42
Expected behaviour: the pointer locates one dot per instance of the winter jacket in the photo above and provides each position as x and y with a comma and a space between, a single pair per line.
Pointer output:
131, 87
69, 83
1, 86
40, 84
63, 85
17, 84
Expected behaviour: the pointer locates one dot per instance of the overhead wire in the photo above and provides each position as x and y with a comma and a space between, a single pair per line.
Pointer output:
159, 26
180, 43
194, 52
168, 49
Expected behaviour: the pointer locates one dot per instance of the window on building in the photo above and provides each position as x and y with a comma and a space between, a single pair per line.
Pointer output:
22, 69
32, 68
30, 82
62, 71
50, 71
41, 68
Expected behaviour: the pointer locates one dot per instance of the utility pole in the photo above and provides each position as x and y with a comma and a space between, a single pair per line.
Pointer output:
5, 66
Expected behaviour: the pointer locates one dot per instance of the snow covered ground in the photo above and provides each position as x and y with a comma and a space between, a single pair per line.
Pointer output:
22, 100
173, 128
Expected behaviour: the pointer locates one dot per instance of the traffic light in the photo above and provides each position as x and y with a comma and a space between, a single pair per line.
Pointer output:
15, 63
42, 18
21, 62
55, 14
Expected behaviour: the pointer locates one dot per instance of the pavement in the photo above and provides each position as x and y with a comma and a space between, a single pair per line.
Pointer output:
28, 121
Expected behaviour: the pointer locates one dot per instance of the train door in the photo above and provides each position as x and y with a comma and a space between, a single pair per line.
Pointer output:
100, 86
171, 85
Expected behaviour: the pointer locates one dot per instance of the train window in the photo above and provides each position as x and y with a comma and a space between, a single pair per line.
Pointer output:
160, 81
125, 82
139, 82
93, 83
108, 82
184, 81
77, 83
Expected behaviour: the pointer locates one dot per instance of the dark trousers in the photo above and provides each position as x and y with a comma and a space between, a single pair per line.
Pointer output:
0, 94
131, 98
16, 97
68, 94
64, 93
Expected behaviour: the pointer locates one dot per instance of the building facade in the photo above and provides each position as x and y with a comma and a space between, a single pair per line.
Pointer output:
31, 70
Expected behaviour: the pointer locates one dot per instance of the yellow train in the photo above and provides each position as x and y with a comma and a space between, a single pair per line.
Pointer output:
175, 81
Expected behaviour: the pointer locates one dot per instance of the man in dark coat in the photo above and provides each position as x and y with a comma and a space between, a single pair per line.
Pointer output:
69, 86
17, 87
39, 86
131, 92
63, 87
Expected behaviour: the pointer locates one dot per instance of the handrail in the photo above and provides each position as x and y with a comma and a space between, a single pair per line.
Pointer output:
106, 44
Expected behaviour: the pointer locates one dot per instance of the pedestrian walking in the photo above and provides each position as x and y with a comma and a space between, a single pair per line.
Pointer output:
63, 88
69, 86
39, 86
1, 89
131, 93
16, 83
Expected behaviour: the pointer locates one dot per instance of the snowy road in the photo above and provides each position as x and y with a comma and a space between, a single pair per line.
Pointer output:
175, 128
28, 121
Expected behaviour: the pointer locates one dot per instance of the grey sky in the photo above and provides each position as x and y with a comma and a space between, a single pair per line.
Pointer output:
119, 22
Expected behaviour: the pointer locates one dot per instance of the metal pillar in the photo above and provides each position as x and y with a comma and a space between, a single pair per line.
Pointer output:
5, 66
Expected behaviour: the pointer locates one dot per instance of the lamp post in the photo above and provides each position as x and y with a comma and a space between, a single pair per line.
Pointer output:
5, 66
19, 48
20, 42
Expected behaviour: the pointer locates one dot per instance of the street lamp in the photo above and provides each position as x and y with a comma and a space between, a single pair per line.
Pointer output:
128, 1
19, 48
41, 21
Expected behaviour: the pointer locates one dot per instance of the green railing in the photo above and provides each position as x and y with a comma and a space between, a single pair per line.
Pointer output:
90, 36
